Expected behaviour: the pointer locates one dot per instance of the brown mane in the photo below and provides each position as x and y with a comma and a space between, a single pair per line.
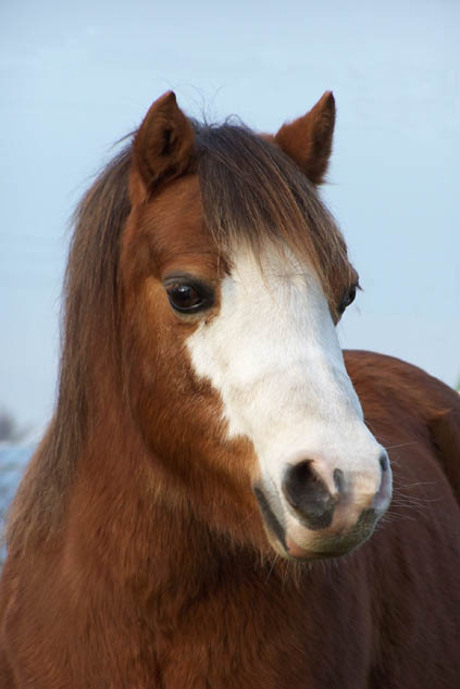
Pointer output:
250, 191
90, 318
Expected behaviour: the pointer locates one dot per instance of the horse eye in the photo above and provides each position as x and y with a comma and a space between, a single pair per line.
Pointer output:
189, 297
347, 299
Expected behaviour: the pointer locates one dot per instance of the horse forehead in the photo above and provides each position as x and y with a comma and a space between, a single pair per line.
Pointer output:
273, 284
274, 266
174, 220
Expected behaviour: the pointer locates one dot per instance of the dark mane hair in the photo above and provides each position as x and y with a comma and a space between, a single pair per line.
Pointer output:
250, 189
90, 308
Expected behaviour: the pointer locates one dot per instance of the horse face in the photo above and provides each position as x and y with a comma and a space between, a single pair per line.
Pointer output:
236, 374
322, 481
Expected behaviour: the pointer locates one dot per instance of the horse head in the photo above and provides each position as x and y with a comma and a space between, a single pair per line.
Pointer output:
233, 277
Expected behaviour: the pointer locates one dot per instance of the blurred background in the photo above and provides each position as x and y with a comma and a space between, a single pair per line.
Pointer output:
77, 77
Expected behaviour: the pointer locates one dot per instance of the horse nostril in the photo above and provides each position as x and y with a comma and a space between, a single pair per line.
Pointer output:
384, 461
339, 480
307, 493
383, 496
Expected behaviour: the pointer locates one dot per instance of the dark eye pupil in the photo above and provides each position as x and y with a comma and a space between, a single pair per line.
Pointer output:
184, 296
188, 295
351, 296
347, 299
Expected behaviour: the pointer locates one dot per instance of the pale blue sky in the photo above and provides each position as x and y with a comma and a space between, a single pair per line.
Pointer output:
75, 77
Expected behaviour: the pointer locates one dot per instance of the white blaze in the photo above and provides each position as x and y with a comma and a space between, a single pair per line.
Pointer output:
272, 353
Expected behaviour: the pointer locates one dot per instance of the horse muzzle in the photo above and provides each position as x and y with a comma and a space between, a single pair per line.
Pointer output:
317, 512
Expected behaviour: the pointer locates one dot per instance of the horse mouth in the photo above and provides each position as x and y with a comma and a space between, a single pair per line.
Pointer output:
273, 525
302, 544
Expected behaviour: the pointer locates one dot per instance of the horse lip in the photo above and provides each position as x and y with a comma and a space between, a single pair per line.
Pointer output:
299, 554
333, 546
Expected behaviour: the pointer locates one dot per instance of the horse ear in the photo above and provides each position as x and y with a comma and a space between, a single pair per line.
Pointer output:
308, 140
163, 147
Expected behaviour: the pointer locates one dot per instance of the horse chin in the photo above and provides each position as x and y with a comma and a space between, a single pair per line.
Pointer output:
315, 548
329, 547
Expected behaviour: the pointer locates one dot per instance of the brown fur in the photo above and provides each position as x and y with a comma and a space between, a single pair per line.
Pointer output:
137, 556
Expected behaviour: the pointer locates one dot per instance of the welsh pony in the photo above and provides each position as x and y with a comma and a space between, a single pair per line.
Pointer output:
197, 515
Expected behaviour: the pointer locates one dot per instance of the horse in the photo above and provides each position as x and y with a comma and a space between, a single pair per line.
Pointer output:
223, 498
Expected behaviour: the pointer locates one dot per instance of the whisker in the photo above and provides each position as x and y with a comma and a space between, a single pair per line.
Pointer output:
276, 557
286, 574
415, 484
394, 447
